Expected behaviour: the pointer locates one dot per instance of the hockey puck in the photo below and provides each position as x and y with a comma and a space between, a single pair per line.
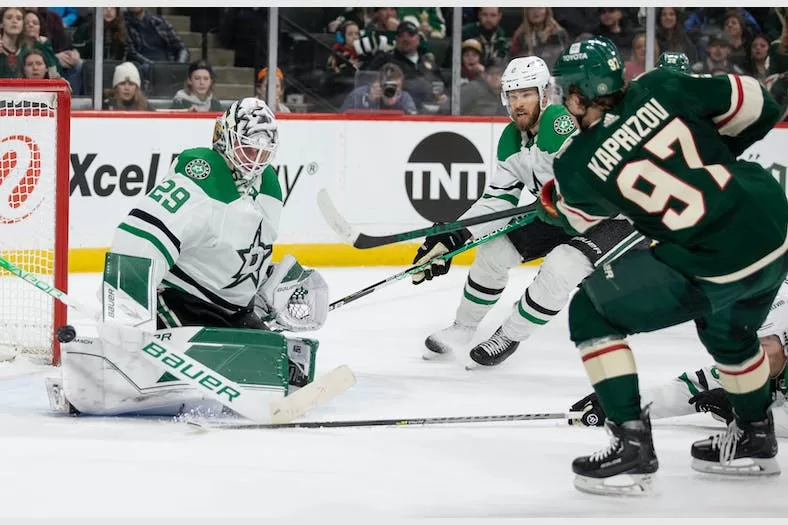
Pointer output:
66, 333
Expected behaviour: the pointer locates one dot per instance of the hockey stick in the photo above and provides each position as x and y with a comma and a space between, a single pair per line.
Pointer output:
363, 241
390, 422
225, 391
420, 267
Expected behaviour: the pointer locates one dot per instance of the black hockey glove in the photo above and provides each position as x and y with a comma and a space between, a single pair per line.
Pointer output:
435, 246
592, 413
714, 401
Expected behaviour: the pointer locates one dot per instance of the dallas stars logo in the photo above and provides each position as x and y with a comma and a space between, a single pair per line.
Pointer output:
253, 259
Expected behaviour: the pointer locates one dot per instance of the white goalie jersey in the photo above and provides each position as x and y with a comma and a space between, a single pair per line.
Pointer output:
671, 399
207, 239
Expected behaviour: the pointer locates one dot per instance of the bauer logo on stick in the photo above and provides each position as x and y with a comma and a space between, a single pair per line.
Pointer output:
198, 169
444, 176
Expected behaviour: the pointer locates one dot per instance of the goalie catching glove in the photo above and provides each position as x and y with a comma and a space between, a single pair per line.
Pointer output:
293, 297
435, 246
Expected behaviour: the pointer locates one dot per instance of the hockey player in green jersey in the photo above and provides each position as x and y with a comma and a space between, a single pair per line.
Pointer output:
525, 156
202, 241
674, 60
663, 152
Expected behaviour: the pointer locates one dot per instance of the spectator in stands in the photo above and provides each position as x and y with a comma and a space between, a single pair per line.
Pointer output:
472, 65
733, 26
778, 50
577, 20
489, 33
153, 39
126, 93
69, 59
482, 95
539, 35
777, 85
671, 35
344, 56
717, 52
757, 64
360, 15
705, 21
613, 26
35, 65
385, 21
637, 64
261, 89
197, 94
385, 93
422, 76
69, 15
35, 39
429, 20
11, 42
115, 37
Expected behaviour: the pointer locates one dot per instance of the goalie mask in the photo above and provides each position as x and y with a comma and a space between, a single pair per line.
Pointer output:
247, 135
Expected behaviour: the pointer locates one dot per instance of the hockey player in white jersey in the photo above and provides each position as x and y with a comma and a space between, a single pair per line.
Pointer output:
525, 161
702, 391
201, 242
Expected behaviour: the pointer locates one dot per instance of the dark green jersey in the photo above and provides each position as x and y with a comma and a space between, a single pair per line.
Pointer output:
665, 157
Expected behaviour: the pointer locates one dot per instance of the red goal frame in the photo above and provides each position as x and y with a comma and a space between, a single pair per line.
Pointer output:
62, 90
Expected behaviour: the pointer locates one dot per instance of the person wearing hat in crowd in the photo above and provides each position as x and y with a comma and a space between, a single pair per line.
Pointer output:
197, 93
126, 94
261, 89
718, 50
422, 75
472, 53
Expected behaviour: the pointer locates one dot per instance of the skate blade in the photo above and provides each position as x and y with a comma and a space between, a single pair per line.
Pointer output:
619, 485
739, 467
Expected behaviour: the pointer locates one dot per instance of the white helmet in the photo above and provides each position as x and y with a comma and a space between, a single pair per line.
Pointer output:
247, 135
522, 73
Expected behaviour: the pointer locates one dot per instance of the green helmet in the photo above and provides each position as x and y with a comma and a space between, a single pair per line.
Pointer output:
593, 66
674, 60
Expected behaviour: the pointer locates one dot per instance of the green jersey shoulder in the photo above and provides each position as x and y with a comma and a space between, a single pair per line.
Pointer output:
555, 127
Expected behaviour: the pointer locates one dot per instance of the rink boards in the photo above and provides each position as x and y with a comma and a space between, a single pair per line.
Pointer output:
385, 174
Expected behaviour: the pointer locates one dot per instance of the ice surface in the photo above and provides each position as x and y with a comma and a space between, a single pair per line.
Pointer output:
98, 467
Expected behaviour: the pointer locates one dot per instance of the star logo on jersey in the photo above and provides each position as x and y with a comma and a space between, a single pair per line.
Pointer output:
563, 125
198, 169
253, 258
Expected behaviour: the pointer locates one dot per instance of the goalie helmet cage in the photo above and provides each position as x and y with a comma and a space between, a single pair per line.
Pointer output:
34, 192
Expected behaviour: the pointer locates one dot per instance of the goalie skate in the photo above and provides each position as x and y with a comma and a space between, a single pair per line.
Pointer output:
445, 342
745, 449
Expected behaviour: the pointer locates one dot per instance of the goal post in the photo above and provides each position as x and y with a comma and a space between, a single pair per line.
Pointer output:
35, 117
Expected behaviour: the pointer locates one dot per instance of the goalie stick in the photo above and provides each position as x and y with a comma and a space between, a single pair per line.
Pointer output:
389, 422
419, 267
363, 241
281, 411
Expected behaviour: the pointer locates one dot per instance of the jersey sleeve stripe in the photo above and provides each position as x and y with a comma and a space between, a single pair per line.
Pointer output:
158, 224
577, 219
504, 196
211, 296
142, 234
515, 186
746, 106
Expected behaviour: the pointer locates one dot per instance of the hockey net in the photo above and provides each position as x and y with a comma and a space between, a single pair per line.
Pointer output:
34, 187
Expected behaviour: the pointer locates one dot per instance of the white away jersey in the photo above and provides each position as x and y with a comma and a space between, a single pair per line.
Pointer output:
524, 161
207, 239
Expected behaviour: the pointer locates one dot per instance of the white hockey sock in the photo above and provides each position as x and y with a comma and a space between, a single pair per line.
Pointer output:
526, 317
476, 301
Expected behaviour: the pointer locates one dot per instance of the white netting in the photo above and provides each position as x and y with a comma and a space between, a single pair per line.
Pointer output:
28, 147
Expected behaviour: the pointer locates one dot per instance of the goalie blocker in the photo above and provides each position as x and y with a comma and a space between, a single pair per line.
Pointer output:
104, 374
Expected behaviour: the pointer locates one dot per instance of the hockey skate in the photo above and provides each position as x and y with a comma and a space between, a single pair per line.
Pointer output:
445, 342
745, 449
493, 351
625, 466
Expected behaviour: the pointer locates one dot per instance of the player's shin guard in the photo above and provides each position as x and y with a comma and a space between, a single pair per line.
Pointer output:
625, 467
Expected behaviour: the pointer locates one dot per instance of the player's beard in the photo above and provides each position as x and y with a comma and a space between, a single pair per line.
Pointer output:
527, 120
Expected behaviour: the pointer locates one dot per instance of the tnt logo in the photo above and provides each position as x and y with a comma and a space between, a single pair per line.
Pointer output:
20, 169
444, 176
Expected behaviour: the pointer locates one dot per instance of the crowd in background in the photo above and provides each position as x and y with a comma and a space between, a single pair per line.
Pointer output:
369, 58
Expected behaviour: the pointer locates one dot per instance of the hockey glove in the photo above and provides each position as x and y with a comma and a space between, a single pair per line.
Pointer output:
292, 297
547, 210
714, 401
435, 246
592, 413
